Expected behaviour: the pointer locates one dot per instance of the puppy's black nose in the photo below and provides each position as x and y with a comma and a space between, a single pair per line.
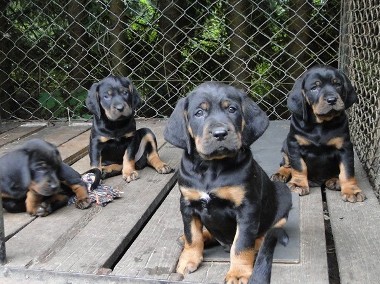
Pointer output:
119, 107
220, 133
331, 100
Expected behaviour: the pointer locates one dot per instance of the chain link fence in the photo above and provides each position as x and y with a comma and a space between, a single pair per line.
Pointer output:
360, 59
52, 51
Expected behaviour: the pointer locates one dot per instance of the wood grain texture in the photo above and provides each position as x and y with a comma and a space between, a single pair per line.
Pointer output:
105, 237
356, 231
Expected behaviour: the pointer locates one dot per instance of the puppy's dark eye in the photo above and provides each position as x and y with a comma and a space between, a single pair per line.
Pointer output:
232, 109
107, 97
337, 84
199, 113
313, 88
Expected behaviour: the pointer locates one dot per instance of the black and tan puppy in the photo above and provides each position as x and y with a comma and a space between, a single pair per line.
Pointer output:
115, 144
222, 187
318, 150
34, 179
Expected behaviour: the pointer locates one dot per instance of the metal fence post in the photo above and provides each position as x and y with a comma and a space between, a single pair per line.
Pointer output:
2, 235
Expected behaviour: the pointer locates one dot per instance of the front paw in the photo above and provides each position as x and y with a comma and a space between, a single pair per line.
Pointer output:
239, 275
279, 177
83, 204
353, 194
42, 210
164, 169
301, 190
130, 176
189, 261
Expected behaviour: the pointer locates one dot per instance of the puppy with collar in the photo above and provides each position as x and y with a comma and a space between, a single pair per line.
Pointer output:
225, 195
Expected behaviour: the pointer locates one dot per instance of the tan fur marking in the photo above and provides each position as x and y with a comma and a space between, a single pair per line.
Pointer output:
128, 165
112, 167
302, 140
349, 185
191, 194
241, 264
337, 142
281, 223
104, 139
225, 104
80, 191
129, 134
205, 106
33, 200
192, 254
235, 194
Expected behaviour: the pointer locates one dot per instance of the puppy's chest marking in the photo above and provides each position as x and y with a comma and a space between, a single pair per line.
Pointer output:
234, 194
105, 139
317, 141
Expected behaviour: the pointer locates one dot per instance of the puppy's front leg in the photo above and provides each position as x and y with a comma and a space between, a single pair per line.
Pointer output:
192, 254
95, 152
242, 254
299, 182
350, 190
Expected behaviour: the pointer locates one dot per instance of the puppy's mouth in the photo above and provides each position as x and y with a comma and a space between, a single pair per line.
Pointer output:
119, 114
215, 150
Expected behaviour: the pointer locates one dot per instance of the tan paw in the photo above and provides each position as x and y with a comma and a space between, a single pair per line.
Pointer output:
83, 204
301, 190
238, 276
279, 177
128, 177
357, 197
189, 261
333, 184
164, 169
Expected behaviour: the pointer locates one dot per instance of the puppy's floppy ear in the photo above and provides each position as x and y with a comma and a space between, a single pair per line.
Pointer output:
176, 132
136, 100
256, 121
351, 96
296, 100
92, 100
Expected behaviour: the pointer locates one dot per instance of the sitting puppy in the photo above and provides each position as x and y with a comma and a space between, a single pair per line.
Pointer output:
115, 144
222, 187
318, 147
34, 179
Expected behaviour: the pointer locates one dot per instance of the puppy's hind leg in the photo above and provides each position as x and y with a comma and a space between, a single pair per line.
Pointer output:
148, 150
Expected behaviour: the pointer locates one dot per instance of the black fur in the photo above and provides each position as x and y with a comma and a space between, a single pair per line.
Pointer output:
221, 184
35, 172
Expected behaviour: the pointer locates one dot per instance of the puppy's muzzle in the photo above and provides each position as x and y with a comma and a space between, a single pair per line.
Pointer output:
219, 133
331, 99
120, 107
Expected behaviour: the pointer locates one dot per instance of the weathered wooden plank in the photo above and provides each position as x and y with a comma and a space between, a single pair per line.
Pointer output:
76, 148
9, 125
13, 222
37, 241
154, 254
356, 231
56, 135
19, 133
104, 238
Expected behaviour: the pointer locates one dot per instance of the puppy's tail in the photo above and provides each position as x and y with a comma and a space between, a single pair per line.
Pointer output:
263, 266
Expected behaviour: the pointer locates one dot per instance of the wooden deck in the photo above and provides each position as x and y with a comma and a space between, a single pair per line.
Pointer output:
133, 239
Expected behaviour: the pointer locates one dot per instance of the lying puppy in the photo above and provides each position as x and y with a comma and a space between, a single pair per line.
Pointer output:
222, 187
318, 149
34, 179
115, 144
